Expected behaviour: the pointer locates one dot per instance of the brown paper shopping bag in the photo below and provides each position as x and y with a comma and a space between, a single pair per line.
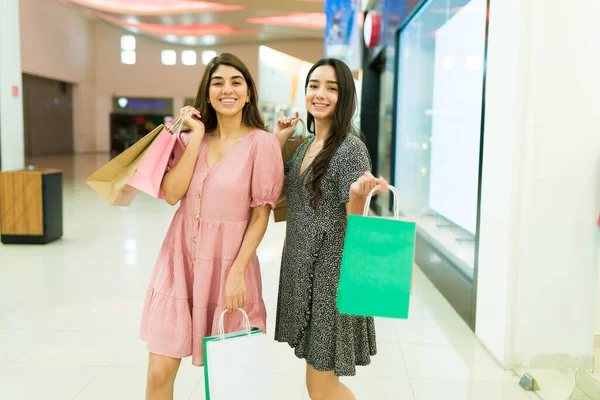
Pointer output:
110, 181
280, 211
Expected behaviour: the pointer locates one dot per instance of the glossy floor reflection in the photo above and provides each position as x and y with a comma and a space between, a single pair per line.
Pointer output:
69, 315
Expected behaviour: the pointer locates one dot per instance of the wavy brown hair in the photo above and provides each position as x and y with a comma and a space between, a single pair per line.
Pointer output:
251, 116
341, 126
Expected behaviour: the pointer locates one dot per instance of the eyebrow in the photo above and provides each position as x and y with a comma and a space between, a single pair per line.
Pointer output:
233, 77
333, 82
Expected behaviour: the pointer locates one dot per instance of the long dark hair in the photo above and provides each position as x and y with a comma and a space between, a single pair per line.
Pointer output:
341, 126
251, 116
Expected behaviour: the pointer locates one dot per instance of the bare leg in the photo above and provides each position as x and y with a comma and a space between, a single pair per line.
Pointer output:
162, 371
324, 385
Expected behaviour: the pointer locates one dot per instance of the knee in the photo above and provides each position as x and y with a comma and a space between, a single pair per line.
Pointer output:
159, 377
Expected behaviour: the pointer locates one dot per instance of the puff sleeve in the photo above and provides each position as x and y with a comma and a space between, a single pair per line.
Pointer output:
267, 172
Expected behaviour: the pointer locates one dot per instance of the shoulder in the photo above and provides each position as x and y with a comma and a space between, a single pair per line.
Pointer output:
259, 134
351, 147
265, 148
352, 155
260, 137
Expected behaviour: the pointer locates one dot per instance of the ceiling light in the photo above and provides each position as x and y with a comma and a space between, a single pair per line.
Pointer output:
128, 57
127, 42
208, 55
188, 57
168, 57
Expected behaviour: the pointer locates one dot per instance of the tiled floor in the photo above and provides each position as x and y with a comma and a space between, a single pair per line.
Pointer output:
69, 314
558, 384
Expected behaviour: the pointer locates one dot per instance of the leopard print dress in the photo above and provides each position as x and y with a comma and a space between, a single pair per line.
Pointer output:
307, 316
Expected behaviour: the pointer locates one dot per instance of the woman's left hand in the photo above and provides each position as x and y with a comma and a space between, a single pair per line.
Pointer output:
236, 293
286, 126
366, 183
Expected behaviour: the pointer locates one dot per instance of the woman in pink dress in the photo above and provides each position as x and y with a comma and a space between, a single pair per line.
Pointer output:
227, 180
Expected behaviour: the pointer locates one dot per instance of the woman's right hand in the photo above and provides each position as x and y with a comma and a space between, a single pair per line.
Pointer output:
192, 120
286, 126
363, 185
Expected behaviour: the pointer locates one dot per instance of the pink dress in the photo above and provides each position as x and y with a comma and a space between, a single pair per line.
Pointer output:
186, 293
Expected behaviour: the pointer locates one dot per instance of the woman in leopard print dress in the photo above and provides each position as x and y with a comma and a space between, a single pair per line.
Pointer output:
326, 179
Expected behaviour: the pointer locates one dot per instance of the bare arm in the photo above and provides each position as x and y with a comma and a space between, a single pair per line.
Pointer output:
254, 234
236, 294
356, 205
176, 182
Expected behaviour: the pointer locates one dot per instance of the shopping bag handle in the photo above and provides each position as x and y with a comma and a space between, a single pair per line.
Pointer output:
221, 331
177, 123
394, 192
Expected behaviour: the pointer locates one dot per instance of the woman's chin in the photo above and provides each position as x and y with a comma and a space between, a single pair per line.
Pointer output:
321, 115
228, 112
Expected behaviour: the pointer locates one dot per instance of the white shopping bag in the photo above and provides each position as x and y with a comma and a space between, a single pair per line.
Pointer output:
237, 365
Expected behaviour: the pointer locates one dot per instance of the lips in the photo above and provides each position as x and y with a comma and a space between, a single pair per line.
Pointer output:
228, 102
320, 106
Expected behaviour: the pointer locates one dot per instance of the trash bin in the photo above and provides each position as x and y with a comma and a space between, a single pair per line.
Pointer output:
31, 209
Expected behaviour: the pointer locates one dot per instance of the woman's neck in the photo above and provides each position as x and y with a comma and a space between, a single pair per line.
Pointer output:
230, 127
322, 129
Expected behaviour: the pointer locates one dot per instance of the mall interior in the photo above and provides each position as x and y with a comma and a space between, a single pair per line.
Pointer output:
482, 113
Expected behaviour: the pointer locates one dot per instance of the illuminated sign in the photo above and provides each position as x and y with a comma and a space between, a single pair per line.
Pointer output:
129, 105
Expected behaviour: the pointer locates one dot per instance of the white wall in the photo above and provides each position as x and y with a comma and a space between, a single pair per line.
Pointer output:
289, 73
57, 42
500, 186
538, 254
280, 94
598, 277
12, 142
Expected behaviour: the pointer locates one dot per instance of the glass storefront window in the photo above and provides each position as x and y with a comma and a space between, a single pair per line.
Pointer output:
438, 123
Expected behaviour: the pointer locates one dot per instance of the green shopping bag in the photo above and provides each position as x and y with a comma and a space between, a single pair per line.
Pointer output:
377, 262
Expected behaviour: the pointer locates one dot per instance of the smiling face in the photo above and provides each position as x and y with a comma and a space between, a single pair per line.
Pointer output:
322, 92
224, 90
228, 91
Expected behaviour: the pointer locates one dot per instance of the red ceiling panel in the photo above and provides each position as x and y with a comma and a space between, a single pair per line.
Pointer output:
177, 30
154, 7
298, 20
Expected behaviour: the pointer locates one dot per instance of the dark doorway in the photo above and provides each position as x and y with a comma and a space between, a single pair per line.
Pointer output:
48, 116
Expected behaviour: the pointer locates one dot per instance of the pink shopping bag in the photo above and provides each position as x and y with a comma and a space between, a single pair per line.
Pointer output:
149, 175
